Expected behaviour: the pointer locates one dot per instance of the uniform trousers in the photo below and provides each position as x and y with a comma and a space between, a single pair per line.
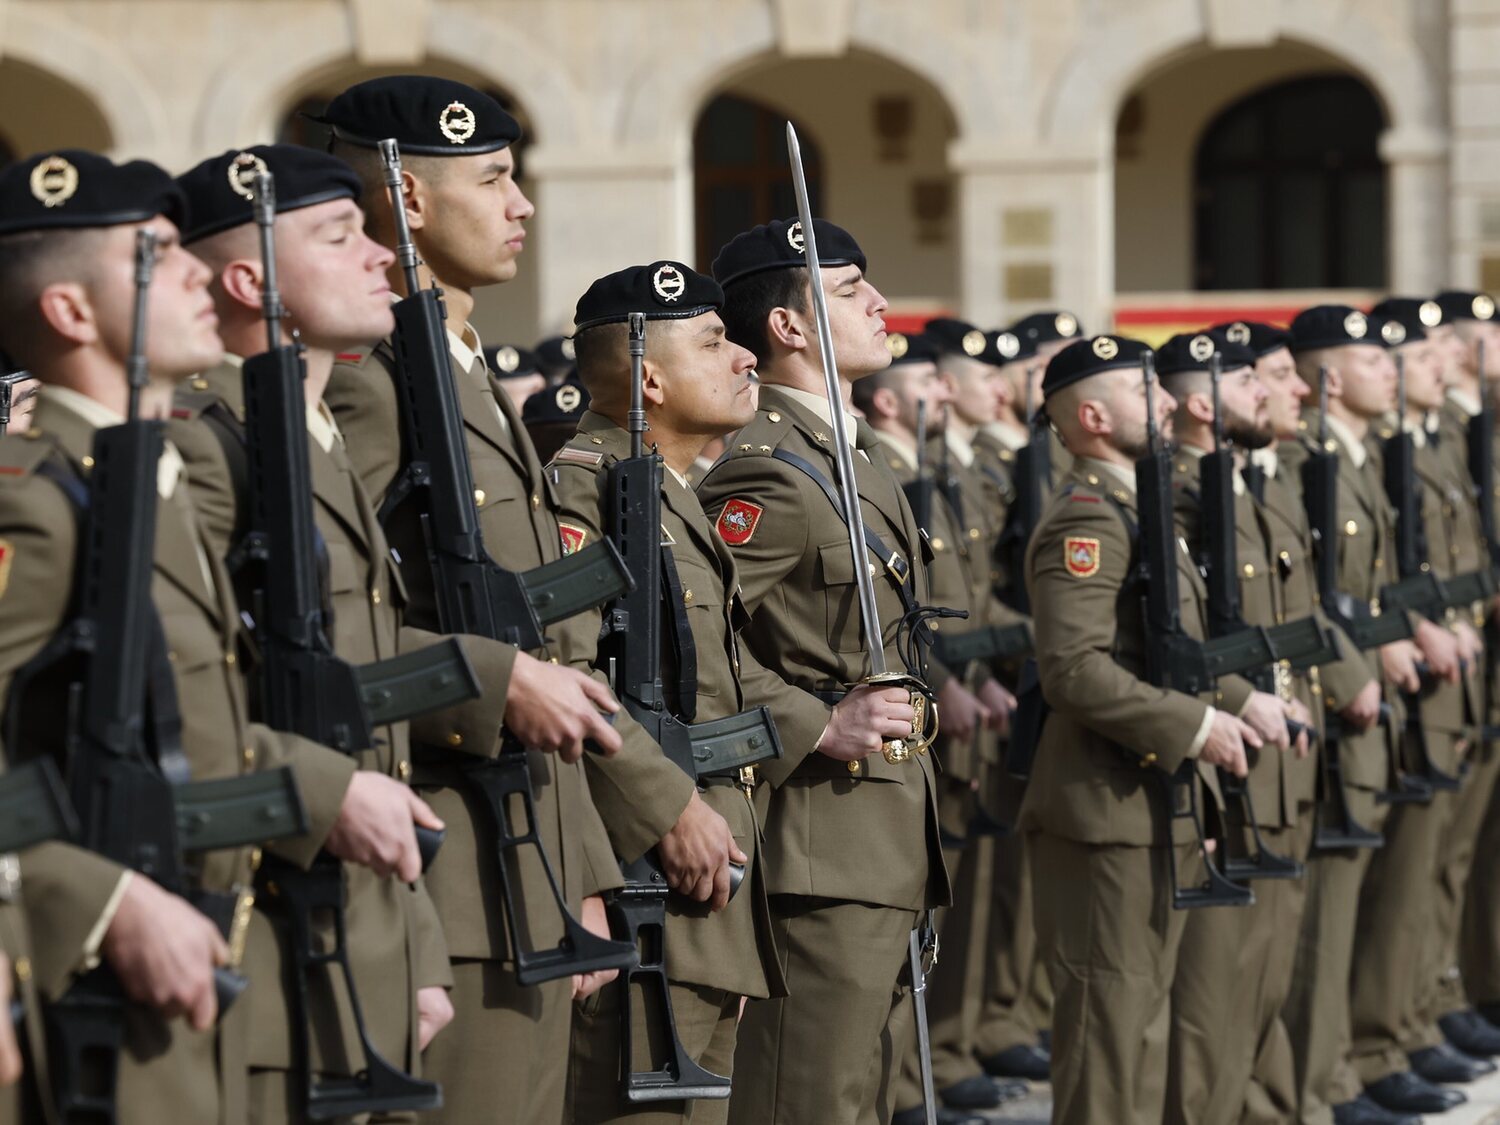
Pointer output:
829, 1053
1479, 933
1017, 1003
706, 1020
1106, 927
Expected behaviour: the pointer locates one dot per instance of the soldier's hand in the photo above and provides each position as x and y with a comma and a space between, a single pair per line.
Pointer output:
434, 1012
1470, 643
1440, 648
1227, 738
1297, 711
1398, 660
1363, 711
960, 710
866, 718
1000, 704
696, 854
164, 951
1267, 716
10, 1051
374, 826
593, 919
555, 709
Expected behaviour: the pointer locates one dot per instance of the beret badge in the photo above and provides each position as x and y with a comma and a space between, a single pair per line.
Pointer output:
457, 122
54, 181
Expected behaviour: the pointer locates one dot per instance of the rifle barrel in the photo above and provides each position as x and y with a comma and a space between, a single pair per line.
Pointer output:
1216, 377
636, 422
265, 222
136, 367
406, 249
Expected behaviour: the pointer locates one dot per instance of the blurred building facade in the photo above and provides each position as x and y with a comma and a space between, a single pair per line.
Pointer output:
1141, 162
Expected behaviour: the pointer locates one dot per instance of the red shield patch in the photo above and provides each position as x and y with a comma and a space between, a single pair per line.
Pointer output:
738, 521
7, 556
573, 538
1081, 557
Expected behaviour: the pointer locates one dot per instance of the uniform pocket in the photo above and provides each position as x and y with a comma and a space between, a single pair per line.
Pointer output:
840, 597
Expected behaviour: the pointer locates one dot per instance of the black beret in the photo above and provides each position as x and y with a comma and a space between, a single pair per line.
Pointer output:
1461, 305
1009, 346
565, 402
427, 116
959, 337
1262, 339
510, 362
1404, 320
73, 189
1191, 351
778, 245
1332, 326
1084, 358
663, 290
219, 190
915, 347
1045, 327
555, 353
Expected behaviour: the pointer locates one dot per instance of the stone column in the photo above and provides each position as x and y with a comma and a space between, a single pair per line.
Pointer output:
1474, 90
1417, 215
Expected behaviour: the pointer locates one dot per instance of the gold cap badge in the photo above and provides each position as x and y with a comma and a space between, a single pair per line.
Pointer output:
1106, 348
1238, 333
669, 283
1430, 314
507, 358
1484, 307
1066, 324
1201, 348
54, 181
794, 237
973, 342
242, 172
897, 345
457, 122
1356, 326
1393, 332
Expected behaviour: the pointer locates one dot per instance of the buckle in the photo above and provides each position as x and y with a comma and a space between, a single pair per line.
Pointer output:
239, 926
897, 567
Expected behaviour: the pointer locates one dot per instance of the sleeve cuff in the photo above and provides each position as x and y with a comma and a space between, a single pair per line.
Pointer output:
1201, 738
94, 940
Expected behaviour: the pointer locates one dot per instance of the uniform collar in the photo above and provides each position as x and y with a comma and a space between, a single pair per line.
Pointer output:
1012, 438
960, 447
1355, 448
817, 405
459, 346
96, 416
1464, 401
907, 453
1265, 460
1197, 454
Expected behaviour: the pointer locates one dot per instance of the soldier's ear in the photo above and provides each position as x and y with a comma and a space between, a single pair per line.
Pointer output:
884, 404
419, 202
784, 328
241, 282
1200, 407
67, 310
652, 389
1094, 418
1335, 382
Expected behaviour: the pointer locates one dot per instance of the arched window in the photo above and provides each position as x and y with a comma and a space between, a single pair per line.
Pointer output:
1290, 190
740, 170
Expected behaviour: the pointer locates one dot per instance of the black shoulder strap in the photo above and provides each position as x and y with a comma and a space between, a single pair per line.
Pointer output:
680, 638
231, 434
897, 567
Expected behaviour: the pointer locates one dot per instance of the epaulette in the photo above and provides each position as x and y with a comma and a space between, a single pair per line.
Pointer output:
761, 435
573, 455
21, 454
188, 405
356, 357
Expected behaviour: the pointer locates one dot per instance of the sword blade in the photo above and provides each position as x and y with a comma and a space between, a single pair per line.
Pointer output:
843, 449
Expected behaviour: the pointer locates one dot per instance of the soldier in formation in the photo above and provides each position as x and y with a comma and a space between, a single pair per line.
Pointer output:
400, 728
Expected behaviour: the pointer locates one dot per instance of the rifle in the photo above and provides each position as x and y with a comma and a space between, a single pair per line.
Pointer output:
34, 806
922, 946
1033, 478
1481, 448
7, 396
631, 649
1367, 628
475, 595
128, 777
919, 492
1173, 659
1405, 494
1225, 617
303, 687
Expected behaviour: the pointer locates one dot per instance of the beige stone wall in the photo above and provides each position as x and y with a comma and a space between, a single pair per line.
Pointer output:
1018, 98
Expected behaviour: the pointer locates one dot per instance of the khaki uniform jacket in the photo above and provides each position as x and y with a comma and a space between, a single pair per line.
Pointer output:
389, 924
1453, 421
733, 949
33, 1090
1111, 738
861, 831
516, 507
1366, 548
68, 888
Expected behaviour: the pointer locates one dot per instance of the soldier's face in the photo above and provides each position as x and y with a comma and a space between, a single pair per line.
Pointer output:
1423, 365
1481, 335
855, 314
711, 388
182, 335
973, 397
1285, 392
1243, 399
1452, 351
921, 382
1126, 407
332, 276
477, 228
1367, 379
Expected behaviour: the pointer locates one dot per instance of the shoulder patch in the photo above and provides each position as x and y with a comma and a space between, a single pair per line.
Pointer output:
579, 457
738, 521
7, 555
1081, 556
573, 537
1083, 498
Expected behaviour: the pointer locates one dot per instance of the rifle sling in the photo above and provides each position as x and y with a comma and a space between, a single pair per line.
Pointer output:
680, 637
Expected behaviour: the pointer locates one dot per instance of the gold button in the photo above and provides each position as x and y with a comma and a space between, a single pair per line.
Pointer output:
536, 501
853, 766
403, 770
1093, 479
479, 496
1351, 528
455, 739
229, 659
88, 462
687, 597
597, 441
1120, 494
773, 416
1285, 556
1249, 570
374, 597
200, 384
937, 543
973, 533
247, 757
1379, 562
23, 969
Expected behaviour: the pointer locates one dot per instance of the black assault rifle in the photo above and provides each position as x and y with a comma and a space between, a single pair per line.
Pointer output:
631, 648
127, 773
303, 687
1297, 644
1033, 479
475, 595
1481, 448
